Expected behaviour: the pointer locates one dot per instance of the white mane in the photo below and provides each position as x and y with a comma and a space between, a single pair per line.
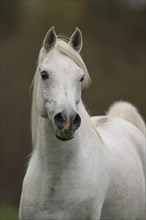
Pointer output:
66, 49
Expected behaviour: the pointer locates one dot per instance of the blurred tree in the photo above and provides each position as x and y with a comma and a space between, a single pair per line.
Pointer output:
9, 11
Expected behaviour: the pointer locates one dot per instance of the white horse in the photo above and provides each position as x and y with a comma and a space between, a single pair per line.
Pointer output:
81, 168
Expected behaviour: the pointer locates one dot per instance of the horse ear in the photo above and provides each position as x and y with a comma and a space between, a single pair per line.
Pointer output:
50, 39
76, 40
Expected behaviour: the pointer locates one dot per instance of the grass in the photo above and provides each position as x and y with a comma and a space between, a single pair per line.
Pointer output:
8, 213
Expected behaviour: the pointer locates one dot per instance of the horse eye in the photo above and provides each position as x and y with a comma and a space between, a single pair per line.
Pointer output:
44, 75
82, 79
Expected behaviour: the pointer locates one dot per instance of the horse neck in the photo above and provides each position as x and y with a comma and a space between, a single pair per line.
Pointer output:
56, 153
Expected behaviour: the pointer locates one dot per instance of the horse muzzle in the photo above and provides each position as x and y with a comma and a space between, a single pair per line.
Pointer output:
66, 123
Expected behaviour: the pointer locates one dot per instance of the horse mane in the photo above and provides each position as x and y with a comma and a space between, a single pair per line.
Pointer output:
62, 46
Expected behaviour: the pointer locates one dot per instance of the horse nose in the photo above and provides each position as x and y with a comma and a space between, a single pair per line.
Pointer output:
67, 121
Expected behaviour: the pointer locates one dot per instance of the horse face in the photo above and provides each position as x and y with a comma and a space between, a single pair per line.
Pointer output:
60, 83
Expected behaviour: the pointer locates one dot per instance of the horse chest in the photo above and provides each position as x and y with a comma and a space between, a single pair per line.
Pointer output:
59, 201
58, 197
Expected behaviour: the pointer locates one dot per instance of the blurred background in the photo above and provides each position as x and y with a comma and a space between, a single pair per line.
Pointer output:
114, 52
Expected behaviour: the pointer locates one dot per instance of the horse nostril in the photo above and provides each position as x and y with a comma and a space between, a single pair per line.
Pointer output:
59, 119
76, 121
